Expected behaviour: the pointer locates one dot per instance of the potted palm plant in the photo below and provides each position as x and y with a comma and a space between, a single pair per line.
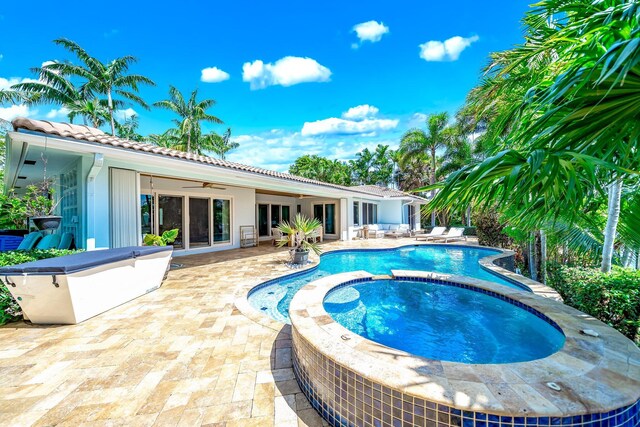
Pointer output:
296, 233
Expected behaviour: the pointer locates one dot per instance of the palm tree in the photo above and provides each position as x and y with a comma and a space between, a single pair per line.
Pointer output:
571, 125
52, 87
191, 113
128, 129
417, 141
94, 110
109, 79
220, 145
169, 139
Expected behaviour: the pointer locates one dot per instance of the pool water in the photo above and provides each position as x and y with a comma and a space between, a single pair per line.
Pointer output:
273, 299
442, 322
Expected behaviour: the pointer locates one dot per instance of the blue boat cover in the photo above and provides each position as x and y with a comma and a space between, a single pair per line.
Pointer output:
81, 261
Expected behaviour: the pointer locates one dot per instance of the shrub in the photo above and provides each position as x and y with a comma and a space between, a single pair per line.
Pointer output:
9, 308
490, 230
613, 298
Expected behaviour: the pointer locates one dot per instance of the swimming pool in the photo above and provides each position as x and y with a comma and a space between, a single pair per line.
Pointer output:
273, 297
444, 321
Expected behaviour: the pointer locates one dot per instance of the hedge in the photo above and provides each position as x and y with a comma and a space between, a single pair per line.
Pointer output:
9, 308
614, 297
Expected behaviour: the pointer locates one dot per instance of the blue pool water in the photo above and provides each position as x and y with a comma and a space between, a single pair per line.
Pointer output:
274, 298
444, 322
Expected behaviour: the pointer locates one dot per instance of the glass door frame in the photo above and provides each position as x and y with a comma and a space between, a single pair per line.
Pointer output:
156, 193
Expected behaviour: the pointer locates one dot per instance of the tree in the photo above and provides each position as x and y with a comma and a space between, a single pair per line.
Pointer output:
563, 111
373, 167
95, 111
419, 142
128, 129
321, 169
221, 144
102, 78
191, 113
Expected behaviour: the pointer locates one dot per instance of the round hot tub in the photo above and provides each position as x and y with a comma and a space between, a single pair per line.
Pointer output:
422, 349
444, 321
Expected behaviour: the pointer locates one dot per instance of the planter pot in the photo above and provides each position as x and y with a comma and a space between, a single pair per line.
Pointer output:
300, 257
49, 222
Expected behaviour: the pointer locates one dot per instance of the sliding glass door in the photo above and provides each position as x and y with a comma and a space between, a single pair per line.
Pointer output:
275, 216
170, 216
221, 220
199, 229
326, 214
263, 220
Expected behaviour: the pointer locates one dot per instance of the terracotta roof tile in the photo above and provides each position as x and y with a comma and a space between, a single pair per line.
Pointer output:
89, 134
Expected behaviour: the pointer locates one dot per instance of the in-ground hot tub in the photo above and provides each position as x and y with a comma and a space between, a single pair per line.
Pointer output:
72, 288
577, 380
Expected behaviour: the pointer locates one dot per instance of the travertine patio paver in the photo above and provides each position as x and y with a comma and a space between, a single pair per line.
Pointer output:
183, 355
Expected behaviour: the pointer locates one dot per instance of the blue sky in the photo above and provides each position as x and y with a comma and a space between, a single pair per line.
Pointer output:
303, 77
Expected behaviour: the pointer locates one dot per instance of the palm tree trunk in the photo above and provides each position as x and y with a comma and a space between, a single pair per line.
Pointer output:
433, 181
189, 142
613, 215
469, 216
533, 269
110, 103
543, 256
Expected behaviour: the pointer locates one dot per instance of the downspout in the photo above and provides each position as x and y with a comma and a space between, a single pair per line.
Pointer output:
98, 162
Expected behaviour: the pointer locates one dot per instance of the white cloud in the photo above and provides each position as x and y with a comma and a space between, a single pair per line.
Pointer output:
60, 113
335, 126
360, 112
7, 83
285, 147
371, 31
10, 113
214, 75
287, 71
417, 120
449, 50
122, 115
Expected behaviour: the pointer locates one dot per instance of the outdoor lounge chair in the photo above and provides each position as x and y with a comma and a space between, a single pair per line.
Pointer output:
50, 241
72, 288
29, 241
455, 233
436, 232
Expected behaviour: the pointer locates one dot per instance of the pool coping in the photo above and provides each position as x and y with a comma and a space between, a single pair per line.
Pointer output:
596, 375
487, 263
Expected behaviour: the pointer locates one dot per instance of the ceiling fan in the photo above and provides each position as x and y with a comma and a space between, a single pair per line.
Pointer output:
206, 185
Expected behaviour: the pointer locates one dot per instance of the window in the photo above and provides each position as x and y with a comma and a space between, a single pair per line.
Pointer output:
369, 213
147, 211
263, 220
275, 216
326, 214
356, 213
299, 209
221, 221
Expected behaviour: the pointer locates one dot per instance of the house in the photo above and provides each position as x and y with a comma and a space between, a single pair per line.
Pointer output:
113, 191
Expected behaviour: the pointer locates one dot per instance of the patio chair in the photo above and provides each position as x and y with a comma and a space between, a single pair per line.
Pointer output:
318, 234
375, 231
436, 232
276, 235
50, 241
455, 233
29, 241
66, 240
397, 231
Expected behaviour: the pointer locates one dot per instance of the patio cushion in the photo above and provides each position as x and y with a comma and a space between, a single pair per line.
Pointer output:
29, 241
50, 241
82, 261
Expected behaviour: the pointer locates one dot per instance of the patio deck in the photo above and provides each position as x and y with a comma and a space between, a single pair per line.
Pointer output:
182, 355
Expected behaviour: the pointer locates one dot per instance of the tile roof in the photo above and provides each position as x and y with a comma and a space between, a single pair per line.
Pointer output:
385, 191
90, 134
